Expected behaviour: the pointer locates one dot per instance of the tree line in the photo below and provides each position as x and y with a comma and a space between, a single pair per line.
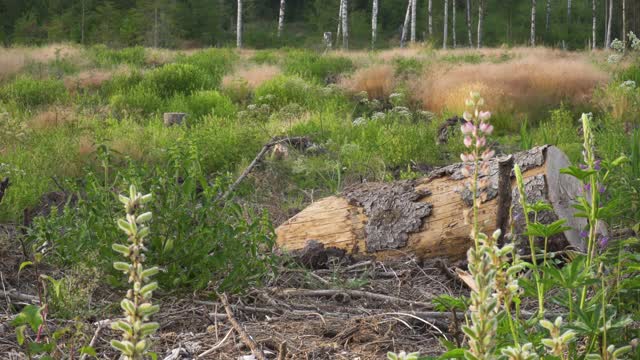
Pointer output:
352, 23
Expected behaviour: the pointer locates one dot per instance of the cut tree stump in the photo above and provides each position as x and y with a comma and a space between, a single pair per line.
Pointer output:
431, 217
173, 118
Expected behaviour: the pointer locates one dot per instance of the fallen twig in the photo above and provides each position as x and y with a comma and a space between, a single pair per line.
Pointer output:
218, 345
246, 339
351, 293
94, 339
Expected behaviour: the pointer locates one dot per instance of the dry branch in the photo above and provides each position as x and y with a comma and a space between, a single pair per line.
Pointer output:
246, 339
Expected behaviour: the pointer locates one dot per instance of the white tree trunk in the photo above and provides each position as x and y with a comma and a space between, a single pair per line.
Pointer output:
533, 22
374, 23
413, 20
446, 18
281, 17
453, 22
593, 25
407, 17
608, 42
480, 21
624, 23
339, 31
547, 23
430, 15
469, 23
606, 17
239, 26
345, 24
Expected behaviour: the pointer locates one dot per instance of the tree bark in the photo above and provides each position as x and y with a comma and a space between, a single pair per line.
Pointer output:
82, 25
609, 21
533, 23
469, 23
413, 20
374, 23
430, 15
407, 18
593, 25
281, 17
239, 26
624, 23
345, 25
480, 21
430, 217
453, 23
339, 31
155, 26
446, 19
547, 23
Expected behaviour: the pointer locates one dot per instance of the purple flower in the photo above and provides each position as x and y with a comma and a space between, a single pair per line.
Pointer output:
586, 187
602, 189
603, 241
596, 165
584, 234
583, 166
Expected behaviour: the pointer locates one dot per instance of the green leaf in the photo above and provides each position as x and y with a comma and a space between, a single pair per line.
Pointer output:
24, 264
31, 315
39, 348
122, 347
122, 249
143, 218
452, 354
20, 334
149, 288
128, 306
88, 350
121, 266
578, 173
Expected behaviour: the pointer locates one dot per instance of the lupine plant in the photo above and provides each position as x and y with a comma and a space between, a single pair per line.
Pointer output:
137, 306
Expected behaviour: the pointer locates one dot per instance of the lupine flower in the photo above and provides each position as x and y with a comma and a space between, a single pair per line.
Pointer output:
468, 128
583, 166
486, 128
584, 234
596, 165
480, 142
586, 187
484, 115
467, 116
603, 242
468, 141
488, 154
602, 189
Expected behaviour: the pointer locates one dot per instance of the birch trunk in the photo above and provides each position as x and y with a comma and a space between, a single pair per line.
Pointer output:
430, 15
453, 22
446, 18
547, 23
339, 31
281, 17
624, 23
413, 20
593, 25
609, 24
345, 25
374, 23
407, 17
239, 26
469, 23
569, 12
480, 21
533, 22
606, 17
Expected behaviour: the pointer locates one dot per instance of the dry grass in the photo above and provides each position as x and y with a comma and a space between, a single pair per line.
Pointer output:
13, 60
533, 80
253, 76
157, 57
92, 79
377, 80
51, 117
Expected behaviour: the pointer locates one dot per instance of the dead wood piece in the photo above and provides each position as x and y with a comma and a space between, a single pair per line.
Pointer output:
352, 294
173, 118
246, 339
19, 297
447, 127
4, 185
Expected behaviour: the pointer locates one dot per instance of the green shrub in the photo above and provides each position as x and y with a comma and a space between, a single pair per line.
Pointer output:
138, 100
215, 63
407, 66
173, 79
315, 67
104, 56
122, 82
265, 57
283, 90
202, 103
29, 92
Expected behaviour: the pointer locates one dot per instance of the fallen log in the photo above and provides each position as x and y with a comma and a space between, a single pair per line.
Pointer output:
430, 217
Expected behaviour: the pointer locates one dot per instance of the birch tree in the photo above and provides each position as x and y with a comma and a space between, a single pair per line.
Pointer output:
593, 24
608, 40
480, 21
533, 22
624, 22
239, 26
345, 24
469, 23
446, 16
281, 17
405, 25
547, 23
413, 20
430, 16
339, 31
453, 22
374, 23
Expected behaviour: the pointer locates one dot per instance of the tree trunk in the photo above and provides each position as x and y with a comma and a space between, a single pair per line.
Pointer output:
480, 21
593, 25
430, 217
413, 20
469, 23
547, 23
446, 18
339, 31
82, 25
407, 17
155, 26
609, 20
453, 23
533, 22
624, 23
281, 17
239, 26
430, 15
374, 23
345, 24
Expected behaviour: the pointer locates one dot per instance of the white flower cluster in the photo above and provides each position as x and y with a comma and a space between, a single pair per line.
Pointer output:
635, 42
628, 85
